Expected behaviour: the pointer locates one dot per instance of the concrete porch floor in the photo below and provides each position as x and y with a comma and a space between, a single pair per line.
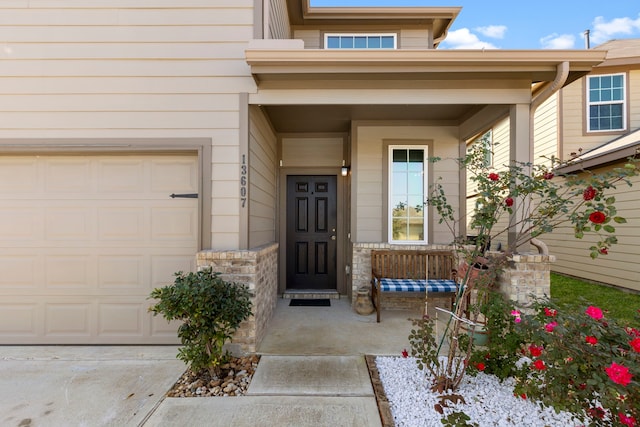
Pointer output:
337, 330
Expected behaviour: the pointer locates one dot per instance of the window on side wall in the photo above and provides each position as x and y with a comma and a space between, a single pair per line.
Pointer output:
360, 41
407, 184
486, 142
606, 103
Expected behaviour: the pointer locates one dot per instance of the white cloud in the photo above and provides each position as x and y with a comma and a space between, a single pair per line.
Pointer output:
603, 31
465, 39
558, 41
493, 31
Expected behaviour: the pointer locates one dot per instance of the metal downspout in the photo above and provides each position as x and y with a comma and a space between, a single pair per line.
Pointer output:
562, 72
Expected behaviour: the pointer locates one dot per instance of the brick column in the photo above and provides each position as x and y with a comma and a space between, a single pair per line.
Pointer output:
258, 269
527, 276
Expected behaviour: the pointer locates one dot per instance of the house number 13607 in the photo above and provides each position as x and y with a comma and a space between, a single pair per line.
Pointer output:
243, 181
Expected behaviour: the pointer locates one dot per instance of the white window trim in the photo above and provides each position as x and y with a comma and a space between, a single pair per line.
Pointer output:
425, 187
589, 104
394, 35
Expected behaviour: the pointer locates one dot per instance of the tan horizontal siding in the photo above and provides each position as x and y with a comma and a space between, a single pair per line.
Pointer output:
620, 267
634, 99
414, 39
546, 131
125, 4
120, 102
312, 38
126, 51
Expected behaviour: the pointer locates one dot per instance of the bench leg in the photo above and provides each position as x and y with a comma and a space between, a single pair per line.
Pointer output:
375, 298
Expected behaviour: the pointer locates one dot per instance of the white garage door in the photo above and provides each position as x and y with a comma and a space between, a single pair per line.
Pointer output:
84, 240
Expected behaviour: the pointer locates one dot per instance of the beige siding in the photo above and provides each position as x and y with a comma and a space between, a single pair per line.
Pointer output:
312, 38
634, 98
324, 151
414, 39
620, 267
279, 20
546, 131
262, 180
132, 69
367, 193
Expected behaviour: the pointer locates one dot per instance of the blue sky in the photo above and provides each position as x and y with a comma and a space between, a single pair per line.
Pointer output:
517, 24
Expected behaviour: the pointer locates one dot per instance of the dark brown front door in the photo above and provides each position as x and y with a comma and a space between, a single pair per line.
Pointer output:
311, 232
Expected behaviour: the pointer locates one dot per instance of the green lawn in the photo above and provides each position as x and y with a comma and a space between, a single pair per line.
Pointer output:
574, 293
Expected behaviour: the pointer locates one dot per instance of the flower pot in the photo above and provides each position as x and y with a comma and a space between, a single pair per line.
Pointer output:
479, 335
364, 305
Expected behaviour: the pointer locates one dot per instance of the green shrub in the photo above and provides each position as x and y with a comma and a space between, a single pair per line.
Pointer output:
211, 311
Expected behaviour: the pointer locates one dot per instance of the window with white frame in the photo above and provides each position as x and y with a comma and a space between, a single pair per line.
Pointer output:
360, 41
485, 141
407, 185
606, 103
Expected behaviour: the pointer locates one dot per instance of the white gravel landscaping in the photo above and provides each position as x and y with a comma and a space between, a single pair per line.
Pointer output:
488, 402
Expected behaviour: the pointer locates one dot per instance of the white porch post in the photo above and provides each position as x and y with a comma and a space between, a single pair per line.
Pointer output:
520, 151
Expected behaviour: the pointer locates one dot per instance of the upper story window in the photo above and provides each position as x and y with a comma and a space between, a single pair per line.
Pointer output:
606, 105
407, 184
360, 41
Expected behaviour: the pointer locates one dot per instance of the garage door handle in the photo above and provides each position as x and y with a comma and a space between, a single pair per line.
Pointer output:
184, 196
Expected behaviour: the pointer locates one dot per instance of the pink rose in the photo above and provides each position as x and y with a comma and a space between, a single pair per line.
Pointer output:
591, 340
619, 374
594, 312
549, 327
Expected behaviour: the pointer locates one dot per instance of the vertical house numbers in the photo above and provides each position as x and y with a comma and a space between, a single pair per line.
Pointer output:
243, 181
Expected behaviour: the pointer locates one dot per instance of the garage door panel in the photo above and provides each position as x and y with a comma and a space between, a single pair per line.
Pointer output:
69, 272
122, 175
69, 224
85, 241
68, 175
19, 175
123, 271
121, 319
66, 319
121, 223
19, 271
19, 319
173, 223
21, 224
173, 176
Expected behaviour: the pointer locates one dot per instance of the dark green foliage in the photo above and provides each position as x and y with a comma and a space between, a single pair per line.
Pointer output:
211, 311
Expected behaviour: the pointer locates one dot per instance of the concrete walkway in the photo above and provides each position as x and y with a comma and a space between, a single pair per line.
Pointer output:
312, 373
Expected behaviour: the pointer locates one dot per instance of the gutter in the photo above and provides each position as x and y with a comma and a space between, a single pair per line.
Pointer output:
562, 73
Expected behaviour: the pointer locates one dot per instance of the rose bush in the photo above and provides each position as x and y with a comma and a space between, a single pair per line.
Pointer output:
536, 199
587, 364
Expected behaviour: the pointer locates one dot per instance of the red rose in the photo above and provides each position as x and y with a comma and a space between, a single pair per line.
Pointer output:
549, 327
591, 340
604, 251
597, 217
480, 366
539, 365
494, 176
508, 201
628, 421
635, 344
405, 353
589, 193
548, 175
619, 374
550, 312
535, 350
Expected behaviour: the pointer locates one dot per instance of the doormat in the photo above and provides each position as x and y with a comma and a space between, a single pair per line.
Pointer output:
310, 303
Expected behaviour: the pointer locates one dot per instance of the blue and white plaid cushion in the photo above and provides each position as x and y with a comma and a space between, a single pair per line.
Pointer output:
421, 285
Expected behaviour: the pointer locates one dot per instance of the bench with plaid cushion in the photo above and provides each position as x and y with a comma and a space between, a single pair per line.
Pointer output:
419, 272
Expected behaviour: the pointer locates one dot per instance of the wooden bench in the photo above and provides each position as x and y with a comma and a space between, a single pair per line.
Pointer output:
416, 272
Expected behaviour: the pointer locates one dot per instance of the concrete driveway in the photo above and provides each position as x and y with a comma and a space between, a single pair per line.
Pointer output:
84, 385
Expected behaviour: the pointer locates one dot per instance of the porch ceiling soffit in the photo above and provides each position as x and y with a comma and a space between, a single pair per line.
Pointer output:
314, 64
440, 18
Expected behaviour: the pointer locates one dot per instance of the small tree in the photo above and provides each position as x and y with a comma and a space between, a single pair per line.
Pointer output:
211, 310
544, 202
